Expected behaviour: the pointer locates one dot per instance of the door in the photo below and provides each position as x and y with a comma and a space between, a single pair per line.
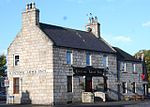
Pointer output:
88, 84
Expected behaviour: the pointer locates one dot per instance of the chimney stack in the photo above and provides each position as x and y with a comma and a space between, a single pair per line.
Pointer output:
30, 17
93, 26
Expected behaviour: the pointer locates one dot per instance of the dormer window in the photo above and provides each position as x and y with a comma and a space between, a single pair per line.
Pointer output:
88, 59
16, 60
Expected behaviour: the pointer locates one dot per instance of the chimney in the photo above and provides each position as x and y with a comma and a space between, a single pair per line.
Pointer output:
93, 26
30, 17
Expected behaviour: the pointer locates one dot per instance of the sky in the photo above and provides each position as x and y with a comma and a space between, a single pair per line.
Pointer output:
124, 23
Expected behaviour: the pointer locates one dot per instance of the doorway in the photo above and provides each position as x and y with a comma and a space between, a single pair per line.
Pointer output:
88, 84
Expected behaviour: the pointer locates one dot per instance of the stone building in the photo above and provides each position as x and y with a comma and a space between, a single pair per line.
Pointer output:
132, 76
49, 64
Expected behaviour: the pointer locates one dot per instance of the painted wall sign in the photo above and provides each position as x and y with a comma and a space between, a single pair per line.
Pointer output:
30, 72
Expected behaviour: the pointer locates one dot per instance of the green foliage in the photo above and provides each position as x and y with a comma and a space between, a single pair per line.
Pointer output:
3, 66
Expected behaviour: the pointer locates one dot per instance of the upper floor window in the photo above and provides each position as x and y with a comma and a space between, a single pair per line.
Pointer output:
123, 67
134, 68
88, 59
124, 87
69, 57
16, 60
105, 61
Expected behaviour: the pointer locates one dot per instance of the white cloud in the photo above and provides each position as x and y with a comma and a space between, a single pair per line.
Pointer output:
122, 39
146, 24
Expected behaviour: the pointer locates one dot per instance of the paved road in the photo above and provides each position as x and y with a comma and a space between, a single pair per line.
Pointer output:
145, 103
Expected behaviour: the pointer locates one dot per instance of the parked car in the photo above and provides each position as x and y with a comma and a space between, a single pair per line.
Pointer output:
2, 96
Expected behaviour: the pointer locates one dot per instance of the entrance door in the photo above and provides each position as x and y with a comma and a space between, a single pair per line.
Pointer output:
88, 84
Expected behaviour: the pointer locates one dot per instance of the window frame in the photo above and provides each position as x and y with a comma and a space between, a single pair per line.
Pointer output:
134, 87
2, 84
16, 86
88, 59
16, 60
134, 68
123, 67
69, 84
105, 61
124, 87
69, 57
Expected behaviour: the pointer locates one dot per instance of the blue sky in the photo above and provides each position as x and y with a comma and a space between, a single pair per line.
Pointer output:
124, 23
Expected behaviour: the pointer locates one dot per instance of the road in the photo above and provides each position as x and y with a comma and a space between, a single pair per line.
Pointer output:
145, 103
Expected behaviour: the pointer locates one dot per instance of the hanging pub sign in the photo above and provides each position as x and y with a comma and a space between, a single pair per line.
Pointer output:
87, 71
142, 76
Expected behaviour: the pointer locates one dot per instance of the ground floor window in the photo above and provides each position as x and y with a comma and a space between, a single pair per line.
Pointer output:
124, 87
134, 87
69, 83
16, 85
145, 89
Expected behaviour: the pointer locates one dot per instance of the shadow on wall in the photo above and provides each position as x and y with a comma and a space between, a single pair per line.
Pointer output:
25, 98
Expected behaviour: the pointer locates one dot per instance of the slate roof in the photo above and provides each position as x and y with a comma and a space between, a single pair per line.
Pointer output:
124, 56
71, 38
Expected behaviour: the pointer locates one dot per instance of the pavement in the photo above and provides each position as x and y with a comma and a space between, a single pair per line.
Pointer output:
145, 103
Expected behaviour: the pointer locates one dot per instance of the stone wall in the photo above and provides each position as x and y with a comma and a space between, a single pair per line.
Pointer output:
62, 70
129, 76
35, 68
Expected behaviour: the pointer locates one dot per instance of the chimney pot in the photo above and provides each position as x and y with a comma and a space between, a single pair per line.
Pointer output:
33, 5
30, 5
27, 7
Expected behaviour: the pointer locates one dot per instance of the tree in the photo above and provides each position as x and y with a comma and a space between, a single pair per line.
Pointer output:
3, 66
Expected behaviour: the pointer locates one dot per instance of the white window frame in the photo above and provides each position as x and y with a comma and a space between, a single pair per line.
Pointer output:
90, 59
123, 66
126, 86
134, 86
71, 56
14, 60
134, 68
105, 58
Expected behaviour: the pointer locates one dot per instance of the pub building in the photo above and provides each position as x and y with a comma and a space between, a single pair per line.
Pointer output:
49, 64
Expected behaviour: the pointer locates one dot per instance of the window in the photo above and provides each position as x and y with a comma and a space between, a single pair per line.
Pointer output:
134, 68
88, 59
134, 87
16, 60
2, 84
16, 85
69, 83
105, 61
124, 87
145, 89
69, 57
123, 67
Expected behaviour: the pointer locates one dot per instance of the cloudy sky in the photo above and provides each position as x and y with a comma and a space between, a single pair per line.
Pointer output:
124, 23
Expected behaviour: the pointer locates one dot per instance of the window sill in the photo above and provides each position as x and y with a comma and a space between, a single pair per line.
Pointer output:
124, 71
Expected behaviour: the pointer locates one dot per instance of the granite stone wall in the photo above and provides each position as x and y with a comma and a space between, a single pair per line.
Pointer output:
35, 68
62, 70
